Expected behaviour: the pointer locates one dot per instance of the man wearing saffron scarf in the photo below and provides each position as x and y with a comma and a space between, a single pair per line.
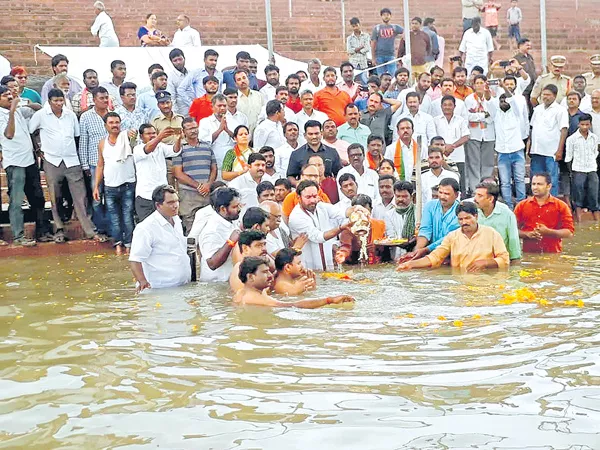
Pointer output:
374, 151
404, 152
84, 100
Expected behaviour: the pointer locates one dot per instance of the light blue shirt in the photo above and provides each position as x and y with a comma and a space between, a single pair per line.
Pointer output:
357, 135
147, 102
435, 225
192, 87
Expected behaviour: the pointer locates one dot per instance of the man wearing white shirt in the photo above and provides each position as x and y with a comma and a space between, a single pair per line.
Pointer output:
151, 166
321, 222
58, 129
181, 102
476, 47
270, 132
479, 150
283, 153
594, 111
103, 27
22, 172
386, 194
348, 190
278, 236
246, 184
314, 83
579, 85
519, 103
549, 126
185, 36
404, 152
234, 116
509, 146
220, 235
307, 113
217, 129
281, 94
422, 122
119, 72
455, 131
250, 102
271, 174
435, 174
448, 88
272, 77
366, 179
158, 257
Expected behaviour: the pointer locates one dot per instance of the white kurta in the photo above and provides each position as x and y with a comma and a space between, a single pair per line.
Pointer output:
317, 250
214, 236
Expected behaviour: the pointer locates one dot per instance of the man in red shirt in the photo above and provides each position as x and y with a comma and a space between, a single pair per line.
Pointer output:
202, 106
543, 220
293, 84
331, 99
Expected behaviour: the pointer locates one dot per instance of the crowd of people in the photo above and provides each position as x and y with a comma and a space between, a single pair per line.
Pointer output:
271, 181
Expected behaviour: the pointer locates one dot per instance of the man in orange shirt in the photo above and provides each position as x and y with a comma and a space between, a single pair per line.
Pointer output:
331, 99
309, 172
202, 106
462, 91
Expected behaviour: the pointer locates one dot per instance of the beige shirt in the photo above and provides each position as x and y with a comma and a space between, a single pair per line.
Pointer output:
251, 106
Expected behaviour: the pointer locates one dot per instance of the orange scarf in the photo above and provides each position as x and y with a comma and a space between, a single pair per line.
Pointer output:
372, 164
239, 156
398, 163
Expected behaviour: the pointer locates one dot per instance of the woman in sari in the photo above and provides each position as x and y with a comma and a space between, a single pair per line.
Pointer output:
149, 36
235, 162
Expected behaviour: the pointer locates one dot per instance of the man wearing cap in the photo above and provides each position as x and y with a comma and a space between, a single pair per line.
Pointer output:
593, 78
555, 77
167, 118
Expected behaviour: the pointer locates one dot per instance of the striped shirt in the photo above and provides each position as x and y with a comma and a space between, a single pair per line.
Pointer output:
92, 132
196, 163
583, 152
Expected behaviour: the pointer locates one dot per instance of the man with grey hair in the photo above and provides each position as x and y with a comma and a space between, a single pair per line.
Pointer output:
185, 36
314, 83
103, 27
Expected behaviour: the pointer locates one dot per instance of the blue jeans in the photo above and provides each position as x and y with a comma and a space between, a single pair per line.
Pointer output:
540, 164
120, 206
99, 216
25, 182
511, 168
514, 31
585, 186
388, 68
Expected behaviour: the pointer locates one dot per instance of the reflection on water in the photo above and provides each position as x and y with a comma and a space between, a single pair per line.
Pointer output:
422, 360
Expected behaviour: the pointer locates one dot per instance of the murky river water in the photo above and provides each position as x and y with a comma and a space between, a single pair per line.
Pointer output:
423, 360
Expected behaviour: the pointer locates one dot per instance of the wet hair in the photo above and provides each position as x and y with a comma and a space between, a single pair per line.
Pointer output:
285, 183
492, 189
110, 114
255, 157
125, 86
403, 186
222, 197
264, 186
249, 266
450, 182
159, 193
345, 177
362, 200
467, 207
247, 237
304, 185
254, 216
284, 257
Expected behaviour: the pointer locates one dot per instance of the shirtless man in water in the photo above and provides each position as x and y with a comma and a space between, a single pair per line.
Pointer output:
292, 278
256, 276
251, 243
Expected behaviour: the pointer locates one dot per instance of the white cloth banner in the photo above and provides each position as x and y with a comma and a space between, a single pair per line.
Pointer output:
138, 59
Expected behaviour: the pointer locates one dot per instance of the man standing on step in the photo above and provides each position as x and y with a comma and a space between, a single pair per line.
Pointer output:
22, 173
383, 39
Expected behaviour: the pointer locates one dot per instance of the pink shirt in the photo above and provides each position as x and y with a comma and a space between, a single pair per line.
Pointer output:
341, 147
351, 91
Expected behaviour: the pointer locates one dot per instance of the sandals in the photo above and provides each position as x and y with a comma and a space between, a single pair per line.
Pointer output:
59, 237
99, 238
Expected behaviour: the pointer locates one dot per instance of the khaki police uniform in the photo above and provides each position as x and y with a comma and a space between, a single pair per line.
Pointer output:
563, 82
593, 81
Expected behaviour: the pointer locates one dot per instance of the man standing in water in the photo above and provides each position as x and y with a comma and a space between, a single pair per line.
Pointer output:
292, 277
543, 220
256, 277
159, 256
